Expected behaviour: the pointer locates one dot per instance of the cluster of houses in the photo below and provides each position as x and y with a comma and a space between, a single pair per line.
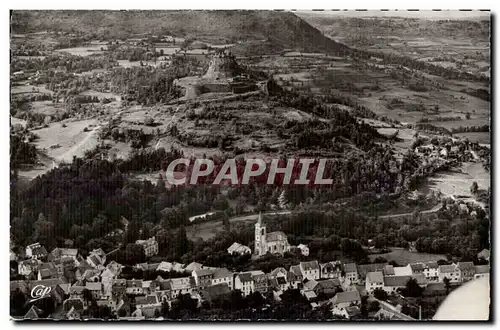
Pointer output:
95, 278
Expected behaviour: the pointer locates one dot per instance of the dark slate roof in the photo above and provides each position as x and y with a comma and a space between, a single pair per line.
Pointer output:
466, 266
310, 265
245, 277
350, 268
417, 267
346, 297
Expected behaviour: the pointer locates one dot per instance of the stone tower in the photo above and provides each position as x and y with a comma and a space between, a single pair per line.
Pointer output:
222, 66
260, 237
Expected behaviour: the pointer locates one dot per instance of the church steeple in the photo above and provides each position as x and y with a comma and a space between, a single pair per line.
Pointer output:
260, 237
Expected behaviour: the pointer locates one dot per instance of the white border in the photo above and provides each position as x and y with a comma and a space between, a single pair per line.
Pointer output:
196, 4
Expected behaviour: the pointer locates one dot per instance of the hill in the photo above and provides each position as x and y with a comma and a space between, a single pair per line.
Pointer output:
275, 29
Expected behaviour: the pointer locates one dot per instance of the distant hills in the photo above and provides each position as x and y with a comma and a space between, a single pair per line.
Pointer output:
269, 30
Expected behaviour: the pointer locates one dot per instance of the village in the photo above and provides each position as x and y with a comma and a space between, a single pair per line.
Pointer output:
344, 289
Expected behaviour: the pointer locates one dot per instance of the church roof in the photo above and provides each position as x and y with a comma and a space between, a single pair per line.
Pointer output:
275, 236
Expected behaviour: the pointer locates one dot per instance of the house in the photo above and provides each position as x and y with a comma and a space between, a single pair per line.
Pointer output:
73, 314
274, 242
417, 268
166, 266
351, 272
484, 254
113, 269
294, 281
327, 287
431, 272
182, 285
88, 275
245, 283
64, 264
76, 290
47, 270
467, 270
482, 271
222, 275
237, 248
96, 259
149, 305
310, 270
36, 251
348, 312
58, 253
393, 283
279, 284
33, 313
261, 283
215, 292
118, 287
28, 267
150, 246
279, 272
330, 270
193, 266
134, 287
203, 277
374, 280
309, 286
388, 270
403, 271
346, 299
450, 272
304, 249
95, 288
365, 269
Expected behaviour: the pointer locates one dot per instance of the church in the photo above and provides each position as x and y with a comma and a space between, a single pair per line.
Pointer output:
274, 242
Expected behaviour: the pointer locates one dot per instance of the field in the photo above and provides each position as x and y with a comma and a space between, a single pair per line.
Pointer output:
458, 183
85, 50
62, 143
403, 257
479, 137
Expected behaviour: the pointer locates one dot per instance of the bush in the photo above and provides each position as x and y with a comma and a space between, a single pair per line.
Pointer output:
380, 294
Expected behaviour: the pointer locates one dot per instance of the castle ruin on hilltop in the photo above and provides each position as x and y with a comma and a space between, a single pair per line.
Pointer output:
224, 75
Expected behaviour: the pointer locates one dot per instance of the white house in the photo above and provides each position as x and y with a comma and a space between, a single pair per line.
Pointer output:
222, 275
245, 283
431, 271
374, 280
451, 272
346, 299
36, 251
150, 246
310, 270
304, 249
351, 272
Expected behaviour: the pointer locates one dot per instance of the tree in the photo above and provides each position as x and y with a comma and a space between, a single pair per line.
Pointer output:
374, 306
412, 289
447, 284
380, 294
474, 188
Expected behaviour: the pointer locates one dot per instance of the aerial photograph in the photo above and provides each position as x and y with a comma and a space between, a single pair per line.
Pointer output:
250, 165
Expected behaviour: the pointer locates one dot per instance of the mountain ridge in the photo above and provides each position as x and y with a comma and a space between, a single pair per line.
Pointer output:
284, 30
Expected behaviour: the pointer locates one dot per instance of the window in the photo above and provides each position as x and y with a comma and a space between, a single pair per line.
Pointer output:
262, 231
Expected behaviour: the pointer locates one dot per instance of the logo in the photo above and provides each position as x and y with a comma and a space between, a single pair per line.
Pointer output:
40, 292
